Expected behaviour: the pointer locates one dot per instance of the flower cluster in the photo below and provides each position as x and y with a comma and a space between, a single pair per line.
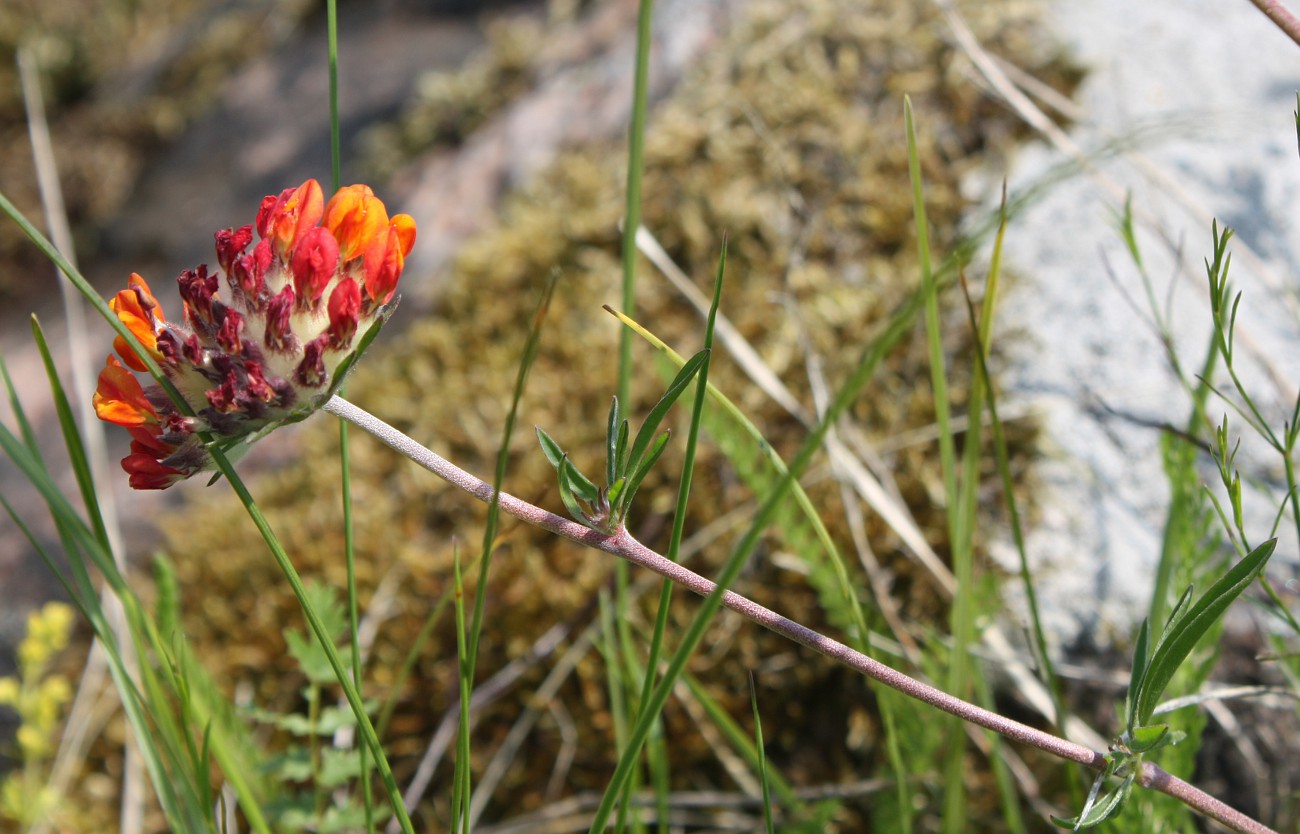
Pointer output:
37, 696
299, 307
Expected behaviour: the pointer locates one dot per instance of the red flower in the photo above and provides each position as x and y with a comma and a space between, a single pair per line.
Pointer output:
265, 352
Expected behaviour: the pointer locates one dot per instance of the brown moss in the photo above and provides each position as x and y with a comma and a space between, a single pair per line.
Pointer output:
788, 140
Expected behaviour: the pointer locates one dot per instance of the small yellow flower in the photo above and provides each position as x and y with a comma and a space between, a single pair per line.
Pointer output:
33, 743
48, 629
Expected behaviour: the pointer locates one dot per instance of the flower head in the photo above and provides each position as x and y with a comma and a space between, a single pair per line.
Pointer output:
296, 311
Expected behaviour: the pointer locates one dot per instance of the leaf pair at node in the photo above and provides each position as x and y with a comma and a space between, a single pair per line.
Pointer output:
626, 465
1153, 669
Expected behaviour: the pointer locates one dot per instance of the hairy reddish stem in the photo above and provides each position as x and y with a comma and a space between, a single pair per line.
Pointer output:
1281, 17
624, 545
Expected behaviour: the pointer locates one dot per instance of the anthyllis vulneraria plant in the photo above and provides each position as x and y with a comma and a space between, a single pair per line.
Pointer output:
605, 508
302, 305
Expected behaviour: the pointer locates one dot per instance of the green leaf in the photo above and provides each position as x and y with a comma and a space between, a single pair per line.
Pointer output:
71, 438
614, 493
1176, 615
293, 766
550, 448
1148, 738
645, 435
579, 483
1107, 807
15, 405
634, 479
1141, 657
1296, 113
338, 767
311, 656
329, 722
762, 758
567, 494
612, 433
620, 452
1182, 636
167, 609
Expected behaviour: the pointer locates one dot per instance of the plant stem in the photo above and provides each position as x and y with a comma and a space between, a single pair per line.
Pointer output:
1280, 16
624, 545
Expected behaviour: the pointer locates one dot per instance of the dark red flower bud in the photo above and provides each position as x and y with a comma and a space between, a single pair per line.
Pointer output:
257, 386
231, 244
311, 370
225, 397
230, 336
193, 350
344, 309
198, 289
279, 329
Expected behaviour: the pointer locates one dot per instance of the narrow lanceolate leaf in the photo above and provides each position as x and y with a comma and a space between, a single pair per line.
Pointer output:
1179, 641
647, 463
1141, 657
1176, 616
675, 388
620, 452
611, 444
1105, 808
567, 475
614, 492
579, 483
71, 437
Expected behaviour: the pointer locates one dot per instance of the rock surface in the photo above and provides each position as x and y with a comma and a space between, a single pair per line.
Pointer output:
1193, 119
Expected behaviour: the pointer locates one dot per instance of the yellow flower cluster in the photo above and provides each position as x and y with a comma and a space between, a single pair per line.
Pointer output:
39, 699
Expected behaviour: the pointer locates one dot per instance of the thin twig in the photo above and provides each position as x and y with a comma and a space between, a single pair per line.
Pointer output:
622, 544
1281, 17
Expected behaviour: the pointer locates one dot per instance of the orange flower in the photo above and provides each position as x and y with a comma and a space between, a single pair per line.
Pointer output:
267, 351
140, 312
356, 218
359, 221
120, 399
282, 219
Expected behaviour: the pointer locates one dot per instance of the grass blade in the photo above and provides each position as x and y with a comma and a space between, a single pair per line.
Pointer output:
762, 758
469, 661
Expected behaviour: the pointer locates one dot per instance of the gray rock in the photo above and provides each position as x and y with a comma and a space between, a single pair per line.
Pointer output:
1188, 107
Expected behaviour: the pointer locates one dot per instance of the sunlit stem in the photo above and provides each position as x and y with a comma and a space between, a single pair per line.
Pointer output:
625, 546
